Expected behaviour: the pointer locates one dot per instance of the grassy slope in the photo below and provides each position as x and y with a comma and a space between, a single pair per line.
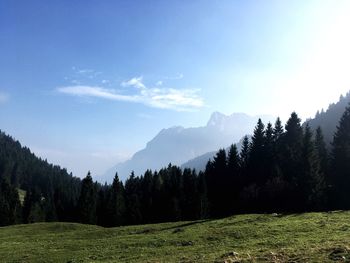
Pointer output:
313, 237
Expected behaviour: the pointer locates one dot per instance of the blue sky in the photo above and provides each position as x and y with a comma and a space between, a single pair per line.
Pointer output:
87, 83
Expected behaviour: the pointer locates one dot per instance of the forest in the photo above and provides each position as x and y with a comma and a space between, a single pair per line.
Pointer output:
280, 169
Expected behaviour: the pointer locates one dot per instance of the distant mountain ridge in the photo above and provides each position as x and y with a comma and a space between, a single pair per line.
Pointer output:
177, 144
327, 120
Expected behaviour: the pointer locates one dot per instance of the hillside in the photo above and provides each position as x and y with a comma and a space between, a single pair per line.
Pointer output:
329, 119
48, 184
313, 237
177, 145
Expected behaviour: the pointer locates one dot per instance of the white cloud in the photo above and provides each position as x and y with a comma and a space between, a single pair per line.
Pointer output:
98, 92
134, 82
3, 97
164, 98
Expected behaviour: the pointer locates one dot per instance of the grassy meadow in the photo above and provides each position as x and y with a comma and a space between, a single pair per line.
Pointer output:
310, 237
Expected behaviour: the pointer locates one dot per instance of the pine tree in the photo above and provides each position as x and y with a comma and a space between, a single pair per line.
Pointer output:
340, 173
257, 172
291, 161
278, 130
321, 150
245, 153
203, 195
117, 203
87, 201
293, 144
10, 207
217, 189
233, 161
311, 179
277, 138
190, 202
233, 181
133, 204
147, 196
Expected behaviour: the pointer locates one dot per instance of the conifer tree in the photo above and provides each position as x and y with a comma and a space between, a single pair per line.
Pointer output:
291, 160
257, 172
147, 196
233, 161
311, 180
245, 153
9, 204
133, 204
87, 201
190, 202
117, 203
340, 173
233, 181
321, 150
278, 130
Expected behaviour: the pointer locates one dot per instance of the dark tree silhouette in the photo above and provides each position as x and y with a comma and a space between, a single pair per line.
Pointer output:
341, 163
87, 201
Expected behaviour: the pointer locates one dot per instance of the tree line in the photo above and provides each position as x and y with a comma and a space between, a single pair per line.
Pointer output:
280, 169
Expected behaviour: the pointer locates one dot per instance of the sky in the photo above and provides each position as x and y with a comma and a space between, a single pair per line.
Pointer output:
85, 84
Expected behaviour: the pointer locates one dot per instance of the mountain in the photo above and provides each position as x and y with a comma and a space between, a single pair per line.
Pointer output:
329, 119
177, 145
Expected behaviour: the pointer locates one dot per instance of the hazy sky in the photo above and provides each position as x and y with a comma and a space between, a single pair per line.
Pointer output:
87, 83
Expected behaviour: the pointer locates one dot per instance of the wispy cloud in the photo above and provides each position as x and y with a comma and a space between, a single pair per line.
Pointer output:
98, 92
177, 76
3, 97
163, 98
134, 82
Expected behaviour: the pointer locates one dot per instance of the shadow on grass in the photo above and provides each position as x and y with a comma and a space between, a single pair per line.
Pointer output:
187, 224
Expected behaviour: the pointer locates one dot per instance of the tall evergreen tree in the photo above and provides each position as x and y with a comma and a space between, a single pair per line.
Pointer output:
190, 199
203, 195
291, 161
340, 173
311, 180
87, 201
234, 180
10, 207
147, 196
132, 200
233, 161
257, 172
245, 153
278, 130
116, 204
321, 150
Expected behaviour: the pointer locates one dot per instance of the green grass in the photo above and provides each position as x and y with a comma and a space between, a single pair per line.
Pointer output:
312, 237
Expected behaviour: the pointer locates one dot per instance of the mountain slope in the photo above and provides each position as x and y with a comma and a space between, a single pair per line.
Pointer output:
329, 119
23, 170
177, 145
